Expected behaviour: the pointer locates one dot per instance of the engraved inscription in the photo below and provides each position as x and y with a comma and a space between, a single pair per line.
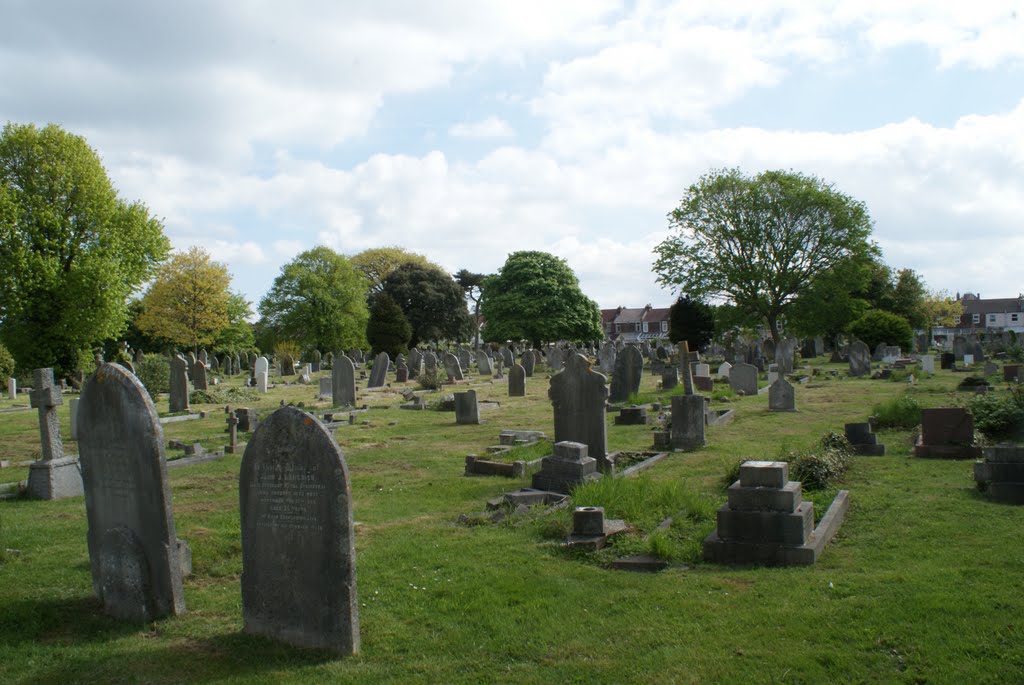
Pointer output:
289, 496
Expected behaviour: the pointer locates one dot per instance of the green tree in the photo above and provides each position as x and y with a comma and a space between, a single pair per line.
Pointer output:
877, 326
377, 263
759, 241
691, 320
238, 334
318, 301
908, 296
431, 300
187, 303
71, 251
535, 296
473, 286
941, 309
387, 330
835, 299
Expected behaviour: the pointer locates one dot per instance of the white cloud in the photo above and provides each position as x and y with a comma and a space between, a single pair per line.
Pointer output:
491, 127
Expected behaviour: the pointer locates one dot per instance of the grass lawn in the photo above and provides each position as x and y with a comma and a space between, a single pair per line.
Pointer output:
921, 585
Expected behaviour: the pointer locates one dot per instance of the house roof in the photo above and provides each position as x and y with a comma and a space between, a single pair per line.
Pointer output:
994, 306
657, 315
630, 315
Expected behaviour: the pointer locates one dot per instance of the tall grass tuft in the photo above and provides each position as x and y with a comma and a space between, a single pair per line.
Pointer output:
900, 413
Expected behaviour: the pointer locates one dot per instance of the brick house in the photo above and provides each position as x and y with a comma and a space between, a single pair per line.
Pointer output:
1001, 314
633, 324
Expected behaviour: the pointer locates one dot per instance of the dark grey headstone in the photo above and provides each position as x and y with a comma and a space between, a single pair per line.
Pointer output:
517, 381
781, 396
688, 422
467, 409
859, 359
579, 396
483, 363
133, 548
298, 542
629, 369
379, 373
199, 375
453, 367
528, 363
178, 400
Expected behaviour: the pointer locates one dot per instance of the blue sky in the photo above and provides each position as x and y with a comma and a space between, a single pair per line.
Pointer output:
468, 130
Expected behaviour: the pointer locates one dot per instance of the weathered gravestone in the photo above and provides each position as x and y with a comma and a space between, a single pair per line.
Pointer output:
379, 373
555, 357
687, 431
784, 353
724, 369
781, 396
859, 359
629, 369
669, 378
317, 360
415, 363
326, 388
517, 381
287, 365
483, 363
579, 396
464, 360
178, 400
343, 381
298, 542
12, 389
928, 363
528, 363
606, 358
134, 552
507, 357
261, 371
743, 379
946, 433
467, 409
53, 476
199, 376
961, 346
452, 367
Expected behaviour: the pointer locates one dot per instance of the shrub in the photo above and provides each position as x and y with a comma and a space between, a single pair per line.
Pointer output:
816, 468
878, 326
226, 395
154, 371
6, 364
901, 413
428, 380
996, 416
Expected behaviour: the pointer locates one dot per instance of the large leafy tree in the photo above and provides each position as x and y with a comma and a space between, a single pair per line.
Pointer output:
187, 303
759, 241
535, 296
835, 299
387, 330
318, 301
941, 309
377, 263
431, 300
238, 334
71, 251
692, 321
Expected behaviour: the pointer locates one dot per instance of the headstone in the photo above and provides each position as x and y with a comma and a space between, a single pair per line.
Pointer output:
214, 363
287, 365
859, 359
343, 381
1001, 475
134, 552
12, 389
928, 363
784, 353
517, 381
467, 409
453, 367
743, 379
506, 357
73, 409
53, 476
863, 440
922, 343
555, 359
415, 363
781, 396
401, 373
960, 347
528, 363
326, 391
232, 445
687, 431
669, 378
629, 368
724, 369
946, 433
947, 361
379, 373
991, 369
430, 363
606, 358
261, 369
579, 396
317, 360
298, 540
247, 419
203, 357
703, 370
464, 360
178, 400
483, 363
199, 376
968, 360
879, 353
225, 365
1012, 373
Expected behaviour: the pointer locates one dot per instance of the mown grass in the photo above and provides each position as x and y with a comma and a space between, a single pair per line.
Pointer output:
921, 584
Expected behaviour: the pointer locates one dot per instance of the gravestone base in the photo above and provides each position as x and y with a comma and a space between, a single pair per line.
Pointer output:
1001, 475
946, 451
55, 479
631, 416
567, 467
863, 441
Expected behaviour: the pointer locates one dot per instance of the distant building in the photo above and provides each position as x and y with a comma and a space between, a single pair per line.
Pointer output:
980, 315
634, 324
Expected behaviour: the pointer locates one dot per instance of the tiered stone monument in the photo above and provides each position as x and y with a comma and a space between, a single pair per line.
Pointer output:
134, 553
863, 440
298, 542
567, 467
53, 476
766, 521
1001, 475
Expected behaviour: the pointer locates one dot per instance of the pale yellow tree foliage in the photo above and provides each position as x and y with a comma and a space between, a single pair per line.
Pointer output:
187, 303
941, 309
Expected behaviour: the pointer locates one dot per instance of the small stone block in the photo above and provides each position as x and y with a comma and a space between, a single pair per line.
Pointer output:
1000, 472
786, 499
758, 526
588, 521
1010, 493
570, 451
1004, 454
764, 474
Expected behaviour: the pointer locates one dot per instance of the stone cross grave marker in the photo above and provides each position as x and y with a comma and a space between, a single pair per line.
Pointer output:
134, 553
298, 540
46, 398
53, 476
